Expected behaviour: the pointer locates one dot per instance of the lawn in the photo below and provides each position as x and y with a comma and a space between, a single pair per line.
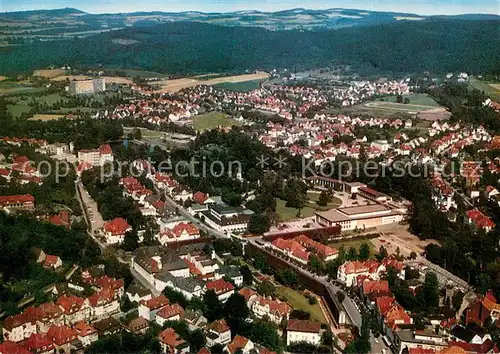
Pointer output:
244, 86
213, 120
300, 302
314, 197
486, 87
47, 117
17, 109
286, 213
9, 88
415, 98
353, 243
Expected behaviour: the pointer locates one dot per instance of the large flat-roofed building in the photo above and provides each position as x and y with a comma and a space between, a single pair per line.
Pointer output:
359, 217
82, 87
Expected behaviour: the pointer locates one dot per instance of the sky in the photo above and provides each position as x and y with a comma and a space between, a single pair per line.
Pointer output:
421, 7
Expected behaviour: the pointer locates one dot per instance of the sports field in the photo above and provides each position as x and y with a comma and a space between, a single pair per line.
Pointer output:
492, 90
179, 84
213, 120
244, 86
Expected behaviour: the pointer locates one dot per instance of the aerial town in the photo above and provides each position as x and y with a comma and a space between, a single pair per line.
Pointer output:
290, 209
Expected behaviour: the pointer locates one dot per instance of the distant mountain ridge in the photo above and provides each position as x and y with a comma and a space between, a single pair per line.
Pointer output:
188, 48
298, 18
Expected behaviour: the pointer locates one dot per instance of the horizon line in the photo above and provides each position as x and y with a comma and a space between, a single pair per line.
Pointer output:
250, 10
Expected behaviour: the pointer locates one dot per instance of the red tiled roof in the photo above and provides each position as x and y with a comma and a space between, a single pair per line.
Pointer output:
105, 149
319, 248
219, 326
220, 286
170, 338
70, 303
421, 351
118, 226
84, 329
185, 227
384, 303
397, 314
479, 219
375, 286
61, 335
38, 341
292, 246
303, 326
238, 342
50, 260
247, 293
200, 197
484, 348
170, 311
275, 306
9, 347
155, 302
6, 200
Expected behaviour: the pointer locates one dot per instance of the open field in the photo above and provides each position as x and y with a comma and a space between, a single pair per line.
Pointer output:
415, 99
179, 84
314, 197
49, 73
492, 90
286, 213
244, 86
10, 88
353, 243
300, 302
46, 117
213, 120
17, 109
109, 79
400, 107
2, 78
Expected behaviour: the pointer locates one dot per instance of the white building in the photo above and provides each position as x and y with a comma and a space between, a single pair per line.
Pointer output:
303, 331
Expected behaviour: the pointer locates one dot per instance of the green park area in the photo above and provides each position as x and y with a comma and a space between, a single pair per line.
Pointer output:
244, 86
420, 99
299, 302
11, 88
492, 90
310, 208
213, 120
355, 243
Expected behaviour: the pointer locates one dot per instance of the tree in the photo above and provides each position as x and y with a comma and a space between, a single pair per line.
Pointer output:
413, 255
300, 315
456, 300
217, 349
316, 265
266, 288
430, 291
325, 197
382, 253
196, 340
236, 311
287, 277
312, 300
352, 254
364, 252
247, 275
411, 273
327, 338
213, 306
399, 99
260, 262
340, 296
406, 100
259, 224
131, 240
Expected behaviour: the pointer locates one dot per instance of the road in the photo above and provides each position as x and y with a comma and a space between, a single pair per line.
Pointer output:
348, 305
197, 222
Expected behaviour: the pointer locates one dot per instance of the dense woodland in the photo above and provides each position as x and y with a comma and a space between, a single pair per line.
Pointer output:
182, 48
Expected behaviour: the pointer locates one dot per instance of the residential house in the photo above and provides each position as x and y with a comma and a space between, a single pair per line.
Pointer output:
240, 343
137, 326
149, 308
75, 309
194, 319
171, 312
86, 333
221, 288
218, 332
8, 347
39, 344
115, 230
62, 337
104, 303
275, 310
303, 331
230, 272
136, 293
19, 327
107, 326
172, 343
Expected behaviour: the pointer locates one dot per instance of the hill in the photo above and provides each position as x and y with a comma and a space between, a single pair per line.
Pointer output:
193, 48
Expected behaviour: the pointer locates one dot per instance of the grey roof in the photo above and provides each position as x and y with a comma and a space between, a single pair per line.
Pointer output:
186, 284
231, 271
135, 288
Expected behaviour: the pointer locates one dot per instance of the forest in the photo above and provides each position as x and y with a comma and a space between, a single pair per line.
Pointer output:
184, 48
